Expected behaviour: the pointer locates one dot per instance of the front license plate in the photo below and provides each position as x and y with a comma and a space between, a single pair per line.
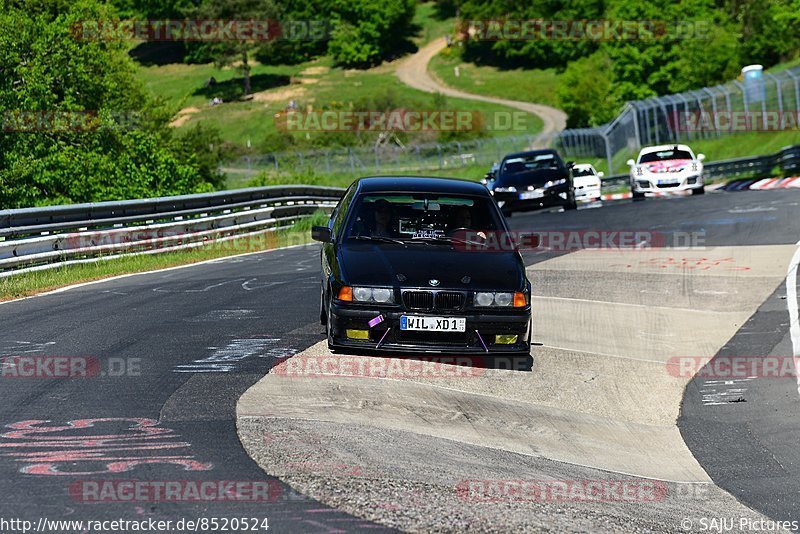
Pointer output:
527, 195
433, 324
668, 182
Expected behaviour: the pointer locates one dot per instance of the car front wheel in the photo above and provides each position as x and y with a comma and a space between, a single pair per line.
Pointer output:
699, 191
571, 203
323, 315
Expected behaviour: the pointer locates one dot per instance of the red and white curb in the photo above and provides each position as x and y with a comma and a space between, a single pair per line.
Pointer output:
776, 183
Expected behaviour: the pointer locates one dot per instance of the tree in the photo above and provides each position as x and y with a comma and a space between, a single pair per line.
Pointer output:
227, 52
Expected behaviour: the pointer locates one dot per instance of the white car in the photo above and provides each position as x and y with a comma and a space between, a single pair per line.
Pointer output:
587, 182
667, 168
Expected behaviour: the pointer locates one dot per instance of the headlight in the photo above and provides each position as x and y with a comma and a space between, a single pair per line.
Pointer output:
503, 299
555, 182
486, 299
373, 294
510, 189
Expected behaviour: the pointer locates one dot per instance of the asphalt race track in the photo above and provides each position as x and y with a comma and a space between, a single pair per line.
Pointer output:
173, 352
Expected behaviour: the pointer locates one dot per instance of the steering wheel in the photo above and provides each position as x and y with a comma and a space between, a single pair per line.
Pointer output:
474, 236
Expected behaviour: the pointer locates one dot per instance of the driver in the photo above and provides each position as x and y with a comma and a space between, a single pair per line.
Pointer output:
382, 214
462, 220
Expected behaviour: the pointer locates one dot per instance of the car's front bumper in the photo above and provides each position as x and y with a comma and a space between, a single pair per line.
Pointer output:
511, 201
587, 193
650, 184
479, 337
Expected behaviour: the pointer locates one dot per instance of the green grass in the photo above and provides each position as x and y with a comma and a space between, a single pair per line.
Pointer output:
432, 23
26, 284
534, 85
243, 121
181, 85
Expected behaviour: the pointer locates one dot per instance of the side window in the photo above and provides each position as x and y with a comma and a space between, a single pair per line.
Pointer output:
340, 213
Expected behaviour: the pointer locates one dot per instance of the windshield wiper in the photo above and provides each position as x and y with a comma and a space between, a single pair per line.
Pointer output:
453, 239
382, 239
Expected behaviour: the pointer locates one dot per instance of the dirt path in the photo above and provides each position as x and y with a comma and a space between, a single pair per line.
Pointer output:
414, 72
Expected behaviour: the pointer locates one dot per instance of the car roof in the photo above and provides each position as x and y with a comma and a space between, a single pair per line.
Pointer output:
531, 153
420, 184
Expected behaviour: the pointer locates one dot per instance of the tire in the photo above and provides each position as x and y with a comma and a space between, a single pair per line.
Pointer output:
506, 212
571, 204
699, 191
636, 195
323, 315
328, 325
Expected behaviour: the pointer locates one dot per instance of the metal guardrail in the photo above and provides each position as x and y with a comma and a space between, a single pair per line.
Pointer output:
788, 160
46, 237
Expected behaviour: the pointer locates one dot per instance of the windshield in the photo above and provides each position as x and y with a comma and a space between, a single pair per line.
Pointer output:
665, 155
531, 162
582, 171
419, 217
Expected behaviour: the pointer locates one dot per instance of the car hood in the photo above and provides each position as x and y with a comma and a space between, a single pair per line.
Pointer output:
380, 265
668, 165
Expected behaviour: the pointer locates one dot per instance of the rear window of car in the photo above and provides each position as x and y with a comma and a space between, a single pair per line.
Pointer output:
410, 217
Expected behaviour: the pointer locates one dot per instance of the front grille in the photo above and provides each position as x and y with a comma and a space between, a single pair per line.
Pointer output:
667, 186
449, 300
418, 300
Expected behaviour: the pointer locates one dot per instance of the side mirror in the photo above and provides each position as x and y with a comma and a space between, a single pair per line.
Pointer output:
600, 174
321, 234
570, 164
630, 163
701, 157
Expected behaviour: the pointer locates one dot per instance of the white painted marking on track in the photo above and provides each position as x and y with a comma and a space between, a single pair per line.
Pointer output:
791, 302
162, 289
227, 358
166, 269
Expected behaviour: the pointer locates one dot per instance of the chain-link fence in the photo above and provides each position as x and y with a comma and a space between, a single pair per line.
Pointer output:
766, 103
385, 159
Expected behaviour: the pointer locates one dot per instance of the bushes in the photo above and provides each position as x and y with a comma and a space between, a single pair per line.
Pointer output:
45, 69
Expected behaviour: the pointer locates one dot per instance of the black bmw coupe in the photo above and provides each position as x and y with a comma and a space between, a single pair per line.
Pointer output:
422, 265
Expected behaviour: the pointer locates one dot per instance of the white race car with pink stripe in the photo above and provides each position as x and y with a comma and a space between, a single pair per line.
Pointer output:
666, 169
